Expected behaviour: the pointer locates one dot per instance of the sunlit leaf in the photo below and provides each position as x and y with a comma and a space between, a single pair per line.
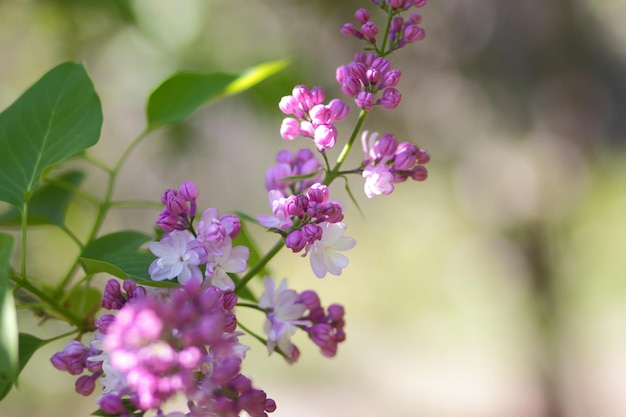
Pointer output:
183, 93
56, 118
9, 365
48, 204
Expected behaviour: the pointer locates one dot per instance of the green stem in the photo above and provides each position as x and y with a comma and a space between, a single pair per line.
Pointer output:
50, 301
260, 265
383, 46
334, 173
24, 234
103, 207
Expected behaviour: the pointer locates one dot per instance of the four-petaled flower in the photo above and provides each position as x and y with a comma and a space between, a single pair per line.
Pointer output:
325, 256
179, 255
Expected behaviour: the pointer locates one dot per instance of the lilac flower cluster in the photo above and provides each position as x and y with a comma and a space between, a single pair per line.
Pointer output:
312, 118
193, 255
312, 222
367, 75
287, 311
388, 162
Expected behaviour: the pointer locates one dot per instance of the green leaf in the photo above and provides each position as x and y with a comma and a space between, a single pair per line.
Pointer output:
183, 93
57, 117
83, 301
48, 204
28, 345
9, 365
119, 254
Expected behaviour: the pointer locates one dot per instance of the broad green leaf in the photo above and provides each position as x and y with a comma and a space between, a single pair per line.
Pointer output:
28, 345
48, 204
9, 366
115, 243
56, 118
183, 93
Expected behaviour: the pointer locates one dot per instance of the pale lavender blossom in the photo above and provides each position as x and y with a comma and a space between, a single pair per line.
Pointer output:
179, 255
284, 314
232, 260
325, 253
378, 180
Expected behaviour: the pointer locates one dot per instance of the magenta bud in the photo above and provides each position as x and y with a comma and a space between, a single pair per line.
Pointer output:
303, 96
320, 114
295, 241
362, 15
351, 86
391, 98
385, 146
413, 33
332, 212
167, 194
316, 96
167, 221
290, 128
338, 110
336, 312
85, 385
59, 362
419, 3
391, 78
295, 205
318, 193
373, 76
364, 100
419, 173
111, 404
325, 136
310, 299
347, 29
311, 232
288, 105
369, 31
189, 191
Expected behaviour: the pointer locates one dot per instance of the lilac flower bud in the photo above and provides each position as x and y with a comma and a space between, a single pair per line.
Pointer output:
316, 96
395, 4
406, 156
325, 137
422, 156
270, 405
341, 73
111, 404
365, 100
296, 205
318, 193
358, 69
419, 173
112, 298
290, 128
231, 224
311, 232
415, 18
391, 78
307, 129
167, 194
332, 212
310, 299
320, 114
373, 76
336, 312
303, 96
103, 322
283, 157
397, 23
348, 30
338, 110
59, 362
288, 105
177, 206
381, 64
230, 300
362, 15
295, 241
385, 146
419, 3
304, 154
85, 385
378, 180
413, 33
391, 98
167, 221
369, 30
351, 86
189, 191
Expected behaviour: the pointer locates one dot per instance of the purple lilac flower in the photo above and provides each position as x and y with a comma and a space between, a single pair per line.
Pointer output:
183, 344
327, 327
180, 208
387, 162
302, 163
179, 255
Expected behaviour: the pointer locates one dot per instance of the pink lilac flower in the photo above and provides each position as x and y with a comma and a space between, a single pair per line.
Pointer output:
179, 256
284, 314
312, 119
324, 253
281, 219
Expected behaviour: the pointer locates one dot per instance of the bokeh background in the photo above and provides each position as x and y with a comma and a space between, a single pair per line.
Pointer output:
495, 288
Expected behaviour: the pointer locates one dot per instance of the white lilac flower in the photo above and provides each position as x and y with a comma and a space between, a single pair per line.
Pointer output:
284, 314
179, 255
325, 256
233, 260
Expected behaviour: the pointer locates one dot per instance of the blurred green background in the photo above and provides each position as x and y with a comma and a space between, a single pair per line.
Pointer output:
495, 288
